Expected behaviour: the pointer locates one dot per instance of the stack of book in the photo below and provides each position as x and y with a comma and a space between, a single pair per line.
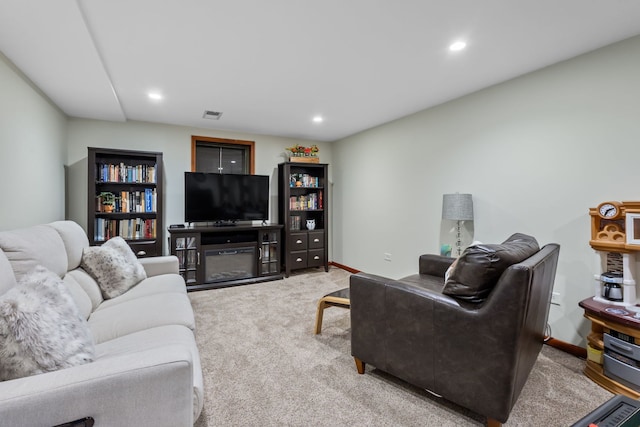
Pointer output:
306, 202
303, 180
131, 229
295, 222
108, 172
132, 201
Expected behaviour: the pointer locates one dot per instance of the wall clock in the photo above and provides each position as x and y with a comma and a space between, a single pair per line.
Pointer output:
609, 210
608, 226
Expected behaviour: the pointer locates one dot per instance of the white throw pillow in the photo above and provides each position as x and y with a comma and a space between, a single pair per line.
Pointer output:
114, 266
41, 328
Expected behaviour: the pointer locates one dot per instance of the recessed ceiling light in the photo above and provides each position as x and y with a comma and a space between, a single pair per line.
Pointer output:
318, 119
155, 96
457, 46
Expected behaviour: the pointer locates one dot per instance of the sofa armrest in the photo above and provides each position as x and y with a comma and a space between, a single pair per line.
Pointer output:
150, 387
157, 265
434, 265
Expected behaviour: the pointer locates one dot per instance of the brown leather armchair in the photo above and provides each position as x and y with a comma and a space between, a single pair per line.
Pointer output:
476, 351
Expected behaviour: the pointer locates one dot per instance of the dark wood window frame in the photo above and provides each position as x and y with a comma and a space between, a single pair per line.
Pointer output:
237, 142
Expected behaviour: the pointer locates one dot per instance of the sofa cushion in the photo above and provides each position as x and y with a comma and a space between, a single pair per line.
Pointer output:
41, 328
170, 308
80, 297
162, 337
7, 278
74, 239
114, 266
150, 286
479, 267
29, 247
89, 285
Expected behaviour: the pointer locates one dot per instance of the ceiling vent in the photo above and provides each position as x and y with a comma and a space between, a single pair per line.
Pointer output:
212, 115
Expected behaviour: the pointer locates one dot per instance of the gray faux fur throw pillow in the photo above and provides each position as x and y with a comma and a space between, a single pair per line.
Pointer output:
114, 266
41, 329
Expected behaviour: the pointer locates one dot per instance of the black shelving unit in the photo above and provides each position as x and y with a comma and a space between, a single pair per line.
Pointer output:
303, 197
135, 179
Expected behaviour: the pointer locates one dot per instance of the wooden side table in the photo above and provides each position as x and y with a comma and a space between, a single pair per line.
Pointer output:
605, 318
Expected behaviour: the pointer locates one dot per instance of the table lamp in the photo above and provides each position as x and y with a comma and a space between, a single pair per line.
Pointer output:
457, 207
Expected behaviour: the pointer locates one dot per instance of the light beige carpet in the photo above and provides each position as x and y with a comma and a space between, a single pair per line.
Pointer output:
264, 367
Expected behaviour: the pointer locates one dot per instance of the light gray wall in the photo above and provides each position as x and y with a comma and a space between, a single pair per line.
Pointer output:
175, 144
536, 153
32, 153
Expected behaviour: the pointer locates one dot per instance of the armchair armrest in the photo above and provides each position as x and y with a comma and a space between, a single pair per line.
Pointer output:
155, 266
150, 387
386, 314
434, 265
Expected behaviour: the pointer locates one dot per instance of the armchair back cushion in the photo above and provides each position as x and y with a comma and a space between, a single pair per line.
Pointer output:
480, 266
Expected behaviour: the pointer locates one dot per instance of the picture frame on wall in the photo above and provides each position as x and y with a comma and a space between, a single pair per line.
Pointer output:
632, 227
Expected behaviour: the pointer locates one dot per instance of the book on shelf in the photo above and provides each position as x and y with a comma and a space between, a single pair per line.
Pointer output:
180, 243
191, 242
180, 256
124, 201
148, 200
191, 259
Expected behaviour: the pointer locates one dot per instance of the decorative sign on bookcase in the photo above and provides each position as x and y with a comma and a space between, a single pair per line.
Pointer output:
125, 198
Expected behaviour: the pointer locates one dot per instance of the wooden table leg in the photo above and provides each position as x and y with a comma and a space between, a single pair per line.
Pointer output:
322, 304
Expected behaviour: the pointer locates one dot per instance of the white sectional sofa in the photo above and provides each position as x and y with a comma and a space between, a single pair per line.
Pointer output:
146, 367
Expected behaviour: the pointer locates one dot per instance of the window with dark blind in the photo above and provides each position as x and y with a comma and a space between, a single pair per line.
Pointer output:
219, 155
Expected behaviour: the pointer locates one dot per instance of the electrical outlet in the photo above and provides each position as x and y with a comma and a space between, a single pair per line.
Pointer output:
387, 256
555, 298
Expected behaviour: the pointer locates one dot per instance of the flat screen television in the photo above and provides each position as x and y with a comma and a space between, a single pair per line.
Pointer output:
224, 198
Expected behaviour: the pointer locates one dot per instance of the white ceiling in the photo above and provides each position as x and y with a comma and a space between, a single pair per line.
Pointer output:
270, 66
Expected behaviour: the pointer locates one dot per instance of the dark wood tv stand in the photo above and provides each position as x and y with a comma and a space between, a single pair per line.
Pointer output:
221, 256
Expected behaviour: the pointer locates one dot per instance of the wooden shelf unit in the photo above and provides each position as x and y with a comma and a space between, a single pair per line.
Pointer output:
137, 176
604, 321
303, 196
613, 237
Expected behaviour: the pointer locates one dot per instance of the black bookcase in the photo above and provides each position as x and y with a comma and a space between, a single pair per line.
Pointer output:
134, 178
303, 197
